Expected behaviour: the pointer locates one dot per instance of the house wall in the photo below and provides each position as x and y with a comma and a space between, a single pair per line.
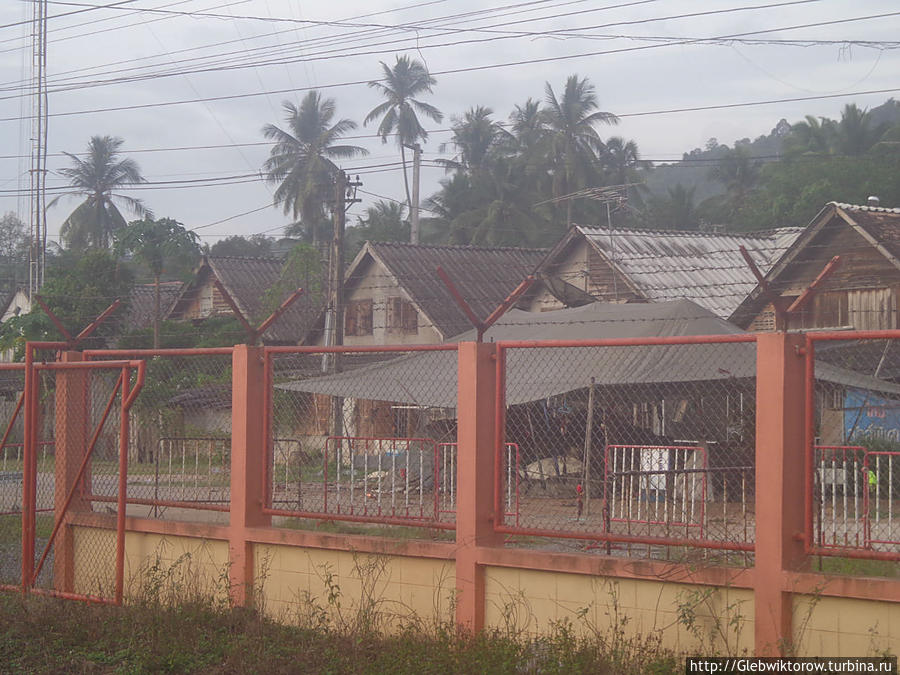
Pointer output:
581, 266
20, 304
377, 285
202, 301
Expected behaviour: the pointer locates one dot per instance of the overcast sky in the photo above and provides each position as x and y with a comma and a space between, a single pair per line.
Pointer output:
337, 46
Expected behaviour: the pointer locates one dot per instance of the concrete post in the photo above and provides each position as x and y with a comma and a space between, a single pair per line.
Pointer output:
248, 456
780, 485
72, 432
477, 392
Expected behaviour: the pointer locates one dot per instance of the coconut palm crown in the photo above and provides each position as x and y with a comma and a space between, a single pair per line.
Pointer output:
302, 160
97, 177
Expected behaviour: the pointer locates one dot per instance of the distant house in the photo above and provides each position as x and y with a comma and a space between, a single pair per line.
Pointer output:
597, 264
245, 281
17, 303
142, 304
393, 295
862, 293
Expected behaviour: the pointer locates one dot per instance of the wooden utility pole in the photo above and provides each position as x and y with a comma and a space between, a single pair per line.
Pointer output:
344, 197
414, 207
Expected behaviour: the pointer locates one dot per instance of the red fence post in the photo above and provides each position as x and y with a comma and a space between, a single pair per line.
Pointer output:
71, 432
780, 485
477, 395
248, 454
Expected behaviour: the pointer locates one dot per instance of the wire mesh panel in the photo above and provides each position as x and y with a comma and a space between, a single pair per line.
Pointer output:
648, 446
179, 446
348, 441
11, 473
854, 465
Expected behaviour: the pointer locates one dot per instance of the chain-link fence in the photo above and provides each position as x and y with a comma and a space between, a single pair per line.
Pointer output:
853, 410
12, 377
360, 434
179, 445
632, 447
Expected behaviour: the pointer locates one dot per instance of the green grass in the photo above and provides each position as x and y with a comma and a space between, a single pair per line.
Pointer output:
394, 531
856, 567
45, 635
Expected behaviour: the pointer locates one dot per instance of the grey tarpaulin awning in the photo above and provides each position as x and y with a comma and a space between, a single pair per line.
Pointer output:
429, 378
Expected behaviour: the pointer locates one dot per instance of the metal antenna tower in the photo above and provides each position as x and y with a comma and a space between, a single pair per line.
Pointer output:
38, 221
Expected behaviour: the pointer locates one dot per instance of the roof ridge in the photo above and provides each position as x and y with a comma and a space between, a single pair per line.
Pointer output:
460, 247
246, 257
863, 207
756, 234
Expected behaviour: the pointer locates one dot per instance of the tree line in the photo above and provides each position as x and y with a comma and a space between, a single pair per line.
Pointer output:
513, 181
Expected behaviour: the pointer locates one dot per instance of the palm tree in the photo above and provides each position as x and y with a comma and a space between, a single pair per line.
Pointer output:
622, 160
155, 242
854, 134
302, 163
575, 143
97, 177
475, 136
811, 136
739, 173
401, 84
677, 210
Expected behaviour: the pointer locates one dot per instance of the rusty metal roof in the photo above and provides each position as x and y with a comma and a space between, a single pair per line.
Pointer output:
247, 280
704, 267
882, 224
484, 276
141, 304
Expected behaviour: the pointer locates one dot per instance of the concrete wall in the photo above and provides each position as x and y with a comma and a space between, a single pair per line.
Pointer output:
389, 591
177, 564
305, 585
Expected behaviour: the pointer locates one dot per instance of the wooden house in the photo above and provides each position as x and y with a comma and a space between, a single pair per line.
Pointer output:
394, 296
861, 293
232, 285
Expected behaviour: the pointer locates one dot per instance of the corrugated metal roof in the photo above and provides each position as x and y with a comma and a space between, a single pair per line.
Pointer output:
484, 277
704, 267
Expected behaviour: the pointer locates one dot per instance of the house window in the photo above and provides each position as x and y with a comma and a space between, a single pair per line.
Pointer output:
402, 317
358, 318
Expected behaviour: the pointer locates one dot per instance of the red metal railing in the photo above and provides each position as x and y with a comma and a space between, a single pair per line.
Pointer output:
849, 532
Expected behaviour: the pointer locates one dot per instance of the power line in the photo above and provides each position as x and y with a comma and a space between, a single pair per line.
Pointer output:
468, 69
659, 42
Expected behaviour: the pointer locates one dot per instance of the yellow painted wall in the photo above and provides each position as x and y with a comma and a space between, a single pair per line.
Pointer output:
301, 584
314, 586
530, 602
825, 626
177, 567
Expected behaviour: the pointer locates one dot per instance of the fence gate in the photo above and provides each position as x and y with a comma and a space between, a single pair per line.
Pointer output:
74, 420
856, 498
656, 488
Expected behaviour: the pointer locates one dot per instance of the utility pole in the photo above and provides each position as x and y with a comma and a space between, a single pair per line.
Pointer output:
344, 197
38, 171
414, 207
